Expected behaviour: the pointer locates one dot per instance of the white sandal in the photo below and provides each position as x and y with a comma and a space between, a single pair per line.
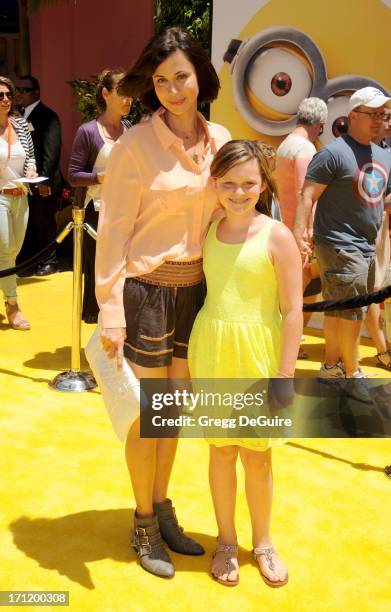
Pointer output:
267, 552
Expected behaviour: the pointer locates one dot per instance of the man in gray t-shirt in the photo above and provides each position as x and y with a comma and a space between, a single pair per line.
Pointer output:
350, 179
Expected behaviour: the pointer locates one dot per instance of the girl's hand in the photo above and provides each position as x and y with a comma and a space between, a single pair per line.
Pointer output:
31, 174
281, 392
112, 339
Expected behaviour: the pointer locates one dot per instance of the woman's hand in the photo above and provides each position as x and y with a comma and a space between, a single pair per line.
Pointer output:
31, 174
112, 339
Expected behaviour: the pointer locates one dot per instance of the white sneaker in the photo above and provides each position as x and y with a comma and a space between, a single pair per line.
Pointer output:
335, 371
359, 374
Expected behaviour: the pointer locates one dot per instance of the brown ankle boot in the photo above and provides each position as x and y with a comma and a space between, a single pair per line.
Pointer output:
148, 543
173, 533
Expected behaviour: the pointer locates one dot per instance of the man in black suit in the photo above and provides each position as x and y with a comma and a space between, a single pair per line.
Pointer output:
45, 131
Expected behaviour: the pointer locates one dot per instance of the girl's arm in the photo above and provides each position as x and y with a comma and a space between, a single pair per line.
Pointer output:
287, 264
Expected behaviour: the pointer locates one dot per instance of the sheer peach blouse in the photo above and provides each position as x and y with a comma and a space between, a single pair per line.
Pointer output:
157, 204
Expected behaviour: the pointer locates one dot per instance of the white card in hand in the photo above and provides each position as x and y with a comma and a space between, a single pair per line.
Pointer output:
24, 179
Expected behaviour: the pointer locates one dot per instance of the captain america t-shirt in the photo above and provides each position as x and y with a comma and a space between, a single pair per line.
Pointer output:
350, 210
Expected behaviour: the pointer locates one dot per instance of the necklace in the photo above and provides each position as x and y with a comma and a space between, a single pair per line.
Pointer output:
198, 149
182, 135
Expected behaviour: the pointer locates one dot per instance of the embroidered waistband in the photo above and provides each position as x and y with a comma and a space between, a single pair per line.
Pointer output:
175, 274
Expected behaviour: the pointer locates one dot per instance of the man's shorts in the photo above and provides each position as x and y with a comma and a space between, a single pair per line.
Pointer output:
345, 274
159, 321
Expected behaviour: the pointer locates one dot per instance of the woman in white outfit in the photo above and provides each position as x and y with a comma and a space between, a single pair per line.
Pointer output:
16, 161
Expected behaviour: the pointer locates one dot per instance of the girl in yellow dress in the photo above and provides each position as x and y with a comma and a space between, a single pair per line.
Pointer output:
249, 327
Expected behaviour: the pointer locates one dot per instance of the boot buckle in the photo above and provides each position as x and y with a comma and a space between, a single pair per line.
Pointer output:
141, 541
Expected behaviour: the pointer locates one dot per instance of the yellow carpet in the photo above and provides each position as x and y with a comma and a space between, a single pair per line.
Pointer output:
66, 498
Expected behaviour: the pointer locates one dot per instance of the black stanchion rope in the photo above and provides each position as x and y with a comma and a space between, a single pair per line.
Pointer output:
348, 303
41, 255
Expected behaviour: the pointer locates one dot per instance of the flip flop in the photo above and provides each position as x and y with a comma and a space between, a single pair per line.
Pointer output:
229, 550
267, 551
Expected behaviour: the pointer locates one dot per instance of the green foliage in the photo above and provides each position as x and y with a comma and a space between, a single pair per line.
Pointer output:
191, 15
36, 5
84, 90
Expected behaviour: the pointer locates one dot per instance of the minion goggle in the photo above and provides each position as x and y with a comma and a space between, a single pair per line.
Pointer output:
273, 71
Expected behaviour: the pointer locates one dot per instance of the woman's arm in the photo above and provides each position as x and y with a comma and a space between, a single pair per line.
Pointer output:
118, 212
78, 173
23, 133
31, 169
288, 268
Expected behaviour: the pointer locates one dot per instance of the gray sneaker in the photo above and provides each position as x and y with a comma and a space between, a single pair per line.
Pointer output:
148, 543
357, 388
335, 371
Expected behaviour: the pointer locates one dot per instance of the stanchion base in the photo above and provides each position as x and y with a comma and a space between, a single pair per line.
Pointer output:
73, 382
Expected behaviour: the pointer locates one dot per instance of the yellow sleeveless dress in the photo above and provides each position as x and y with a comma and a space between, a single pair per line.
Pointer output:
237, 332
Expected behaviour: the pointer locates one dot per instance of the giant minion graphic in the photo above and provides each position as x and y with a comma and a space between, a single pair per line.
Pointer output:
329, 50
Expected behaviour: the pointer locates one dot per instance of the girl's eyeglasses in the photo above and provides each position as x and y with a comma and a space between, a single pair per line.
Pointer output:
6, 94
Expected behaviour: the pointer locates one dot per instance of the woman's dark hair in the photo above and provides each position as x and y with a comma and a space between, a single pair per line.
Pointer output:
108, 79
237, 152
8, 83
137, 82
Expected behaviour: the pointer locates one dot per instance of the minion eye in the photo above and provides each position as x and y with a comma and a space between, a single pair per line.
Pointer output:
278, 79
281, 84
337, 119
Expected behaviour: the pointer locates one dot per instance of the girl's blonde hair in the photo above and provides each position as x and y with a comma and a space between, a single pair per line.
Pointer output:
238, 151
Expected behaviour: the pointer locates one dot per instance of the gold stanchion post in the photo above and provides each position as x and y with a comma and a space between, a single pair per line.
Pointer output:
74, 380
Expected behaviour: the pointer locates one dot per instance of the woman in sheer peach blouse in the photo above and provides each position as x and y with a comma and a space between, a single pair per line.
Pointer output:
155, 211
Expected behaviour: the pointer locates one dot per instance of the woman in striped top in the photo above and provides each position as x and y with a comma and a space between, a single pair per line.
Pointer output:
16, 161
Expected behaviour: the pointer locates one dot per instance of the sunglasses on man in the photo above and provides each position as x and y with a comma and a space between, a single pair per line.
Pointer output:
24, 89
376, 115
6, 94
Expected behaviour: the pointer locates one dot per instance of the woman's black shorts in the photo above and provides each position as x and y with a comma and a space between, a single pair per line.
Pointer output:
159, 321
